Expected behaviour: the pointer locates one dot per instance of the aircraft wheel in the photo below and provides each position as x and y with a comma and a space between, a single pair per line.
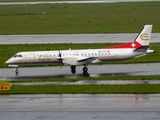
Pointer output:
73, 69
17, 72
85, 69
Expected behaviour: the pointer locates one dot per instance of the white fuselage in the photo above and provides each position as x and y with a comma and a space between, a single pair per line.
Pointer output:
73, 57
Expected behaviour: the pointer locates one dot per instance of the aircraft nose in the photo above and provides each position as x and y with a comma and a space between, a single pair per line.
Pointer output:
8, 61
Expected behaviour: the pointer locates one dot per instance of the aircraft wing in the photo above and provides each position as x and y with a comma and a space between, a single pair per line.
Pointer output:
78, 60
88, 59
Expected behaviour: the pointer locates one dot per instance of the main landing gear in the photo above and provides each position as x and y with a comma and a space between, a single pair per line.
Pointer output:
16, 71
85, 69
73, 69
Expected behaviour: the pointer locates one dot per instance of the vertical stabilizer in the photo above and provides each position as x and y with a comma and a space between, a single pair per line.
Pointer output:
140, 43
144, 37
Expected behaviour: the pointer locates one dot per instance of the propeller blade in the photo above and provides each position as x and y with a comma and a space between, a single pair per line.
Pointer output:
60, 54
60, 58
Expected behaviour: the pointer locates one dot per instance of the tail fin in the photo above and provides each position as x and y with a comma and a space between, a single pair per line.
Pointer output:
140, 43
144, 37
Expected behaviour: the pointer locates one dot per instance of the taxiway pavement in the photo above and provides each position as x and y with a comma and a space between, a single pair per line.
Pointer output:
73, 38
94, 71
80, 106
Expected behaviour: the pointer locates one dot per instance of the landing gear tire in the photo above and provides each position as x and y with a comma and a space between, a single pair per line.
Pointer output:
17, 72
85, 69
73, 69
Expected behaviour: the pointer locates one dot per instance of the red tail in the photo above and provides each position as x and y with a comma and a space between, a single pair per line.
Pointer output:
133, 45
141, 42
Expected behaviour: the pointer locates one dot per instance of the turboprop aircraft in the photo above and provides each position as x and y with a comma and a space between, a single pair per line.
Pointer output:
73, 58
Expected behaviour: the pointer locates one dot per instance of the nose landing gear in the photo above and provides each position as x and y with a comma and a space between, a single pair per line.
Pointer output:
16, 71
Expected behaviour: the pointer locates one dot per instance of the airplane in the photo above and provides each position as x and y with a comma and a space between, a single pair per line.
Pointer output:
73, 58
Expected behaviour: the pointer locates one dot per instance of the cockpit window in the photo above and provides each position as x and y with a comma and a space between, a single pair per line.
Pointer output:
18, 55
15, 56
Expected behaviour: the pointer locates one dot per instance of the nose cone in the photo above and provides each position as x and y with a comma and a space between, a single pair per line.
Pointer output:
9, 61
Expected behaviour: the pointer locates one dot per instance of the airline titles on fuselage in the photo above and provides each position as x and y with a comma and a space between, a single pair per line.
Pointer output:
48, 55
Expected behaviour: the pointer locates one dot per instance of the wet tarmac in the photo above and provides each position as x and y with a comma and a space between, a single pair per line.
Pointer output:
80, 106
63, 76
92, 82
94, 71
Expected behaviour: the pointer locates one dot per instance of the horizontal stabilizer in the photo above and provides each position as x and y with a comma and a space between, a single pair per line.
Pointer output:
140, 50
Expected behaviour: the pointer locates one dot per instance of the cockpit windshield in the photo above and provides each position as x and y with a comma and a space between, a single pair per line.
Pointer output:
17, 55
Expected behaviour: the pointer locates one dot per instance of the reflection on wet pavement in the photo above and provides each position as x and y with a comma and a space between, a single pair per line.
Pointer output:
92, 82
66, 76
80, 106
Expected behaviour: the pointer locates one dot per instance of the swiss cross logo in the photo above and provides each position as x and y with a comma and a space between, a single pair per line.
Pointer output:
133, 44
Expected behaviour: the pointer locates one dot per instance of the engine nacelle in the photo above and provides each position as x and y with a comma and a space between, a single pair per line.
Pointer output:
73, 61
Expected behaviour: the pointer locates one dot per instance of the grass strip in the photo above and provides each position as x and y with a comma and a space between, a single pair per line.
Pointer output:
84, 89
79, 18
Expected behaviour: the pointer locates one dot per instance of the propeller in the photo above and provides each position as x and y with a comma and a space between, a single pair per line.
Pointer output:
60, 58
